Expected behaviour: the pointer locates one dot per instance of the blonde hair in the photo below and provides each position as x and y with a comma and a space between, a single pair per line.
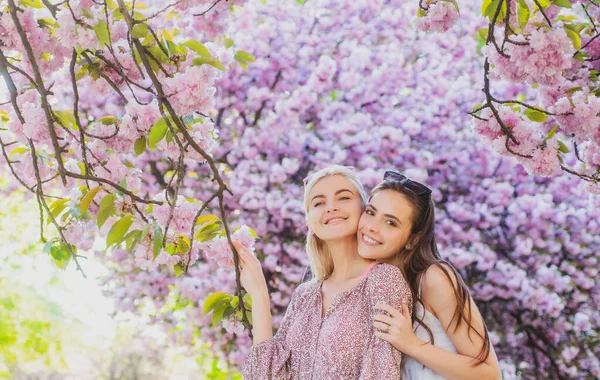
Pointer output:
321, 263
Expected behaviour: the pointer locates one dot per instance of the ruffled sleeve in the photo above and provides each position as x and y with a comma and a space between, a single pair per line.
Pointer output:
271, 359
386, 284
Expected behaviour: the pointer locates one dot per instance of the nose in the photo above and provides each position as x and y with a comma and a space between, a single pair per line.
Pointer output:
371, 227
332, 208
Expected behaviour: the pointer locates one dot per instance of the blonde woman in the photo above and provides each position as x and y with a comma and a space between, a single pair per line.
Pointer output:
327, 331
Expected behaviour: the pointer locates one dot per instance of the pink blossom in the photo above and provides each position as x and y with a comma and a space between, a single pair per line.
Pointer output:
542, 60
218, 249
440, 16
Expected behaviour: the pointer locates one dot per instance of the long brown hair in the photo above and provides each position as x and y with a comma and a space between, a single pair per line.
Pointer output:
423, 254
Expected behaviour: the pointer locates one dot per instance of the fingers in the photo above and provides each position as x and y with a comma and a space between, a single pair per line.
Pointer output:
382, 326
385, 336
387, 308
405, 311
384, 319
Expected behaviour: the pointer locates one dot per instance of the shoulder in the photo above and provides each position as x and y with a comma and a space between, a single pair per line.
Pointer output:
386, 276
383, 271
439, 284
387, 284
439, 278
305, 289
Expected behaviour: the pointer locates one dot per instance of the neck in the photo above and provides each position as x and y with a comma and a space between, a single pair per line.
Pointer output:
347, 264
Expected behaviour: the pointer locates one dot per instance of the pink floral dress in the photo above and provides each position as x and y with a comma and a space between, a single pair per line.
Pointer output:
339, 345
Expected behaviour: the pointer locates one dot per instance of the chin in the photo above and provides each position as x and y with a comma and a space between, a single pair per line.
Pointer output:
336, 234
367, 252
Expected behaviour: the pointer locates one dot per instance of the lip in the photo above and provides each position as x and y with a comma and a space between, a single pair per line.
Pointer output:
369, 243
333, 218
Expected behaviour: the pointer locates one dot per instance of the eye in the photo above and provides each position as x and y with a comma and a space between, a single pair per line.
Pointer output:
344, 198
391, 223
317, 204
369, 212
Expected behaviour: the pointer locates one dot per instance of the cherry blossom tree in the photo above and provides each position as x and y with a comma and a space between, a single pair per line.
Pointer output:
553, 124
314, 83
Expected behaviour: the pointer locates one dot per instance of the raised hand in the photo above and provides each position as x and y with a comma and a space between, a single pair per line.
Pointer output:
251, 275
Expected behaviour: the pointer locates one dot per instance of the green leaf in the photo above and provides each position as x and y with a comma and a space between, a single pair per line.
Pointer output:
118, 230
139, 30
66, 118
573, 90
562, 147
206, 218
218, 312
334, 94
562, 3
535, 115
228, 43
106, 209
244, 55
140, 145
159, 54
58, 203
523, 13
574, 36
32, 3
171, 249
56, 253
88, 198
212, 300
101, 30
19, 150
243, 58
210, 61
157, 133
247, 301
551, 133
421, 12
132, 239
45, 22
178, 270
199, 48
252, 232
87, 13
108, 120
234, 302
208, 232
486, 7
183, 244
56, 211
158, 240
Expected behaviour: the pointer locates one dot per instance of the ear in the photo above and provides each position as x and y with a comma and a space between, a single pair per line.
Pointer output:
413, 241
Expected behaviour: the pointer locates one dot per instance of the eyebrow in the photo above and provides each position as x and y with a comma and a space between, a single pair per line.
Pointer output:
336, 193
386, 215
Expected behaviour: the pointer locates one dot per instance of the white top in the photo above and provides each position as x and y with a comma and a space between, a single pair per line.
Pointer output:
414, 370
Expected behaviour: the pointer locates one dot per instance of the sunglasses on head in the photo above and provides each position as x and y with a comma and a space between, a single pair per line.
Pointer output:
416, 187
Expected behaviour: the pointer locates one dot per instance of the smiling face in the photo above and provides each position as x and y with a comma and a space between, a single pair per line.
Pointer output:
334, 208
385, 226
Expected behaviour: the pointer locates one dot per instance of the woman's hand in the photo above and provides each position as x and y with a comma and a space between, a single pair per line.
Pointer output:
397, 329
251, 274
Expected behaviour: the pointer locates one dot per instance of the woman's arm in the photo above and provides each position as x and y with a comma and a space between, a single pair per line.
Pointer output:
438, 296
269, 356
253, 280
382, 361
